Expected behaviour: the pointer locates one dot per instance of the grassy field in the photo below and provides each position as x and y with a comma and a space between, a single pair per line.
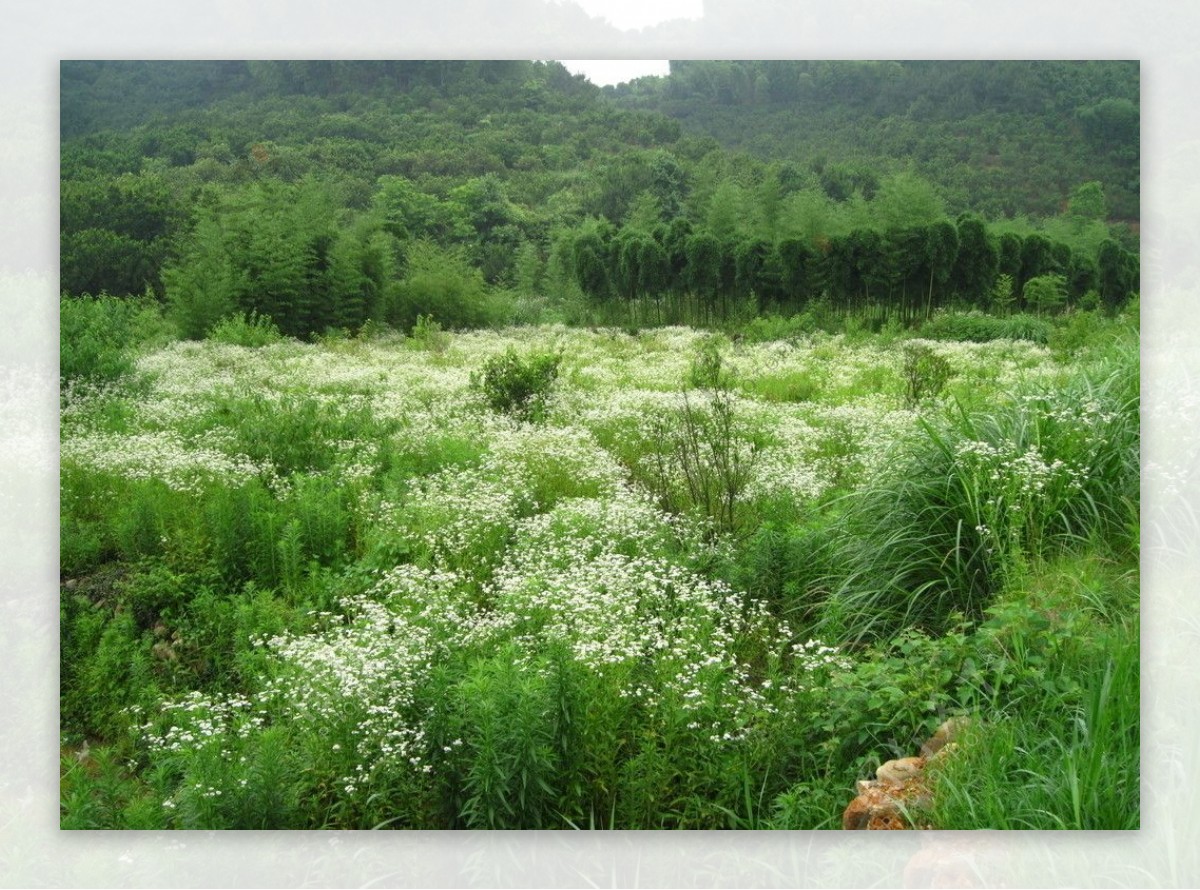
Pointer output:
560, 578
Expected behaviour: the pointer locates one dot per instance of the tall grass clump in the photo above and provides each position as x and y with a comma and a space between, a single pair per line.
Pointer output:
1056, 683
974, 497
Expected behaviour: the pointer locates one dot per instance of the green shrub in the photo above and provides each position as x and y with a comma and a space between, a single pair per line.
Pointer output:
706, 371
516, 386
700, 462
95, 335
242, 329
428, 334
975, 327
506, 718
442, 284
925, 373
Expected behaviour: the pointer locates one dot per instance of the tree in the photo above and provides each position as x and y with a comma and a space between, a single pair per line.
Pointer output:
796, 258
1118, 273
1088, 202
752, 270
590, 259
1003, 293
978, 261
668, 183
727, 211
1045, 293
1037, 258
704, 259
906, 199
1082, 275
442, 284
199, 287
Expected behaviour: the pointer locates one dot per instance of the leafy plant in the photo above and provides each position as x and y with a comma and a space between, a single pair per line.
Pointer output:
245, 329
925, 373
521, 387
428, 334
94, 338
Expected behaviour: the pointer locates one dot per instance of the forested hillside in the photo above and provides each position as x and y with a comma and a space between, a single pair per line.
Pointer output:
998, 138
327, 194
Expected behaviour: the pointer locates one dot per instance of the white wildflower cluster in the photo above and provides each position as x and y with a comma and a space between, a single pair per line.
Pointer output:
814, 655
854, 439
567, 459
461, 515
358, 680
181, 464
1018, 476
198, 723
581, 575
1004, 364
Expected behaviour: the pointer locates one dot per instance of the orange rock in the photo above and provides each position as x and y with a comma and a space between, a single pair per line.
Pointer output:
948, 732
900, 772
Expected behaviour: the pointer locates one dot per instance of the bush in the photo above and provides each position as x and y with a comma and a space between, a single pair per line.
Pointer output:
706, 369
976, 327
925, 373
443, 285
516, 386
94, 338
428, 334
244, 329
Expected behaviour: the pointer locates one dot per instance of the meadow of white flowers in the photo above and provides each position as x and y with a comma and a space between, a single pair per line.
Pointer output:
521, 619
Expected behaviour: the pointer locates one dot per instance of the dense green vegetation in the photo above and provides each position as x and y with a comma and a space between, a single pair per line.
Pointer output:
458, 445
1001, 139
323, 195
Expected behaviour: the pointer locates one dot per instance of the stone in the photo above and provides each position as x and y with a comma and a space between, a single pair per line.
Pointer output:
884, 807
900, 796
899, 772
950, 731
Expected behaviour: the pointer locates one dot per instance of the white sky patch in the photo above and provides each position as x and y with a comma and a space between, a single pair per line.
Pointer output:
632, 15
605, 72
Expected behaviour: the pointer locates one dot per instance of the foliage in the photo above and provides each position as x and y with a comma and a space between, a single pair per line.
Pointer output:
1045, 292
976, 497
925, 373
94, 334
250, 330
428, 334
706, 580
976, 327
100, 337
521, 387
441, 284
388, 190
1035, 641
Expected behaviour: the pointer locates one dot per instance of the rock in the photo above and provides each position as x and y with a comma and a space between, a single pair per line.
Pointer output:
884, 807
948, 732
899, 772
900, 795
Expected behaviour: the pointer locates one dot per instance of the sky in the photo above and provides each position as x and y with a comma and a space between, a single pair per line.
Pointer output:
631, 15
603, 72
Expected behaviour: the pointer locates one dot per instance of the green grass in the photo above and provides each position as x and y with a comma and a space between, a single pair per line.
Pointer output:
1058, 746
369, 600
